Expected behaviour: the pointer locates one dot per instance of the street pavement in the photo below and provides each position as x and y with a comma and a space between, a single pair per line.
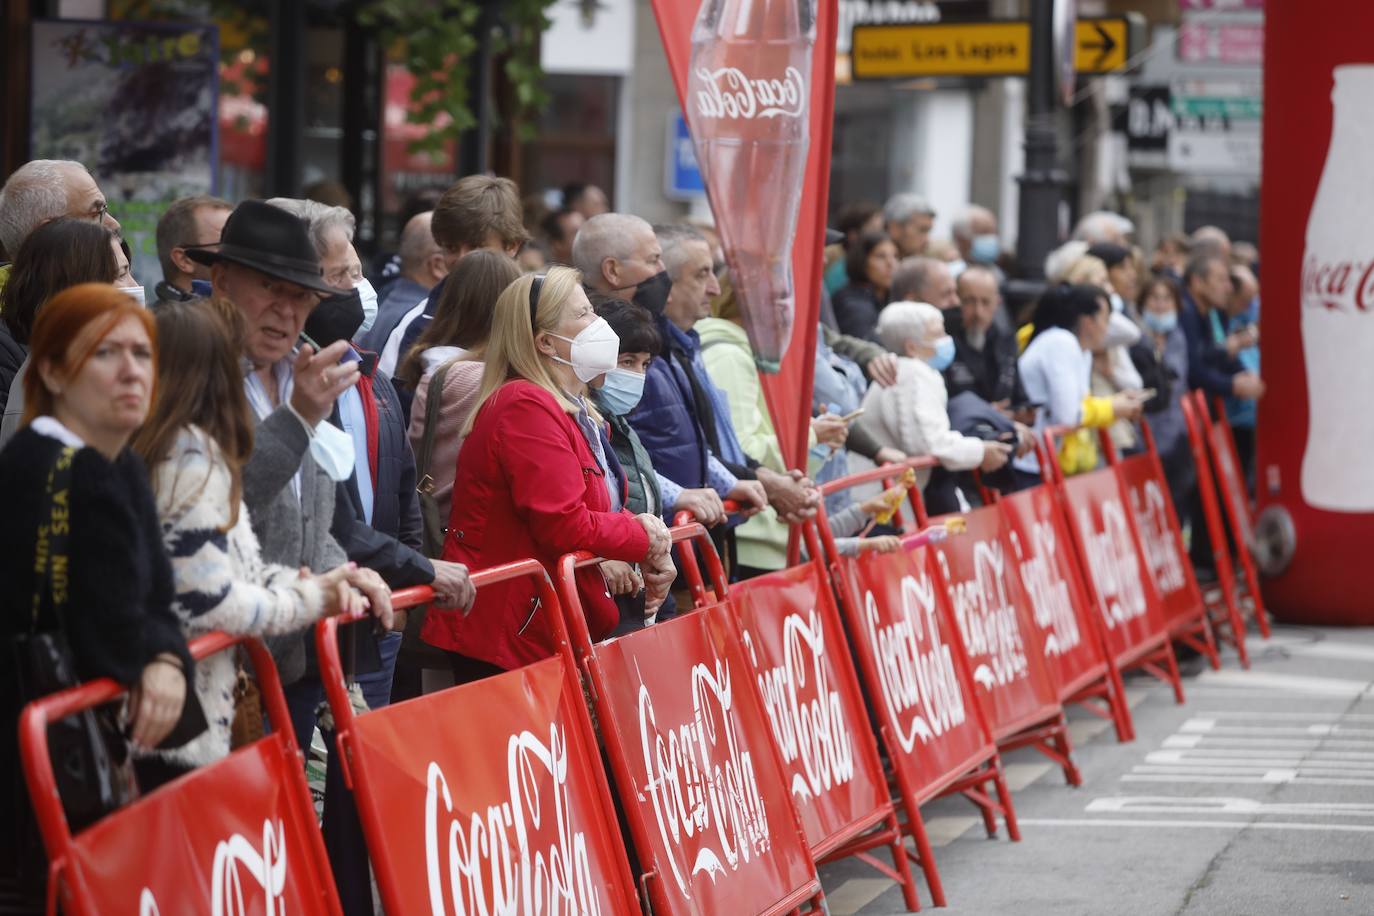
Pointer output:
1254, 797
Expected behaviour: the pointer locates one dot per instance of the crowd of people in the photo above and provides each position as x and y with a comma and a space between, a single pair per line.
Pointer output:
285, 434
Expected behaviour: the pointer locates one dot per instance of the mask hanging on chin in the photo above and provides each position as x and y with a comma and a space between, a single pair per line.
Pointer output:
336, 318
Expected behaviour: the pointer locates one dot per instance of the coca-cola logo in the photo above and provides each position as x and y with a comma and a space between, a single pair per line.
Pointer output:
915, 667
700, 782
1157, 539
1111, 557
1337, 286
987, 617
1047, 590
806, 714
266, 868
494, 861
729, 93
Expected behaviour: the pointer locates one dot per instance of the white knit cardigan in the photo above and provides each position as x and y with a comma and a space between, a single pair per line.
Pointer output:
221, 580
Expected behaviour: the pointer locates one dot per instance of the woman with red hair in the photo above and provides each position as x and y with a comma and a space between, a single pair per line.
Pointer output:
89, 386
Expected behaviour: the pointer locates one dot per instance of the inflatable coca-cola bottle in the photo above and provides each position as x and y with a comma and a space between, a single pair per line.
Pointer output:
748, 89
1338, 307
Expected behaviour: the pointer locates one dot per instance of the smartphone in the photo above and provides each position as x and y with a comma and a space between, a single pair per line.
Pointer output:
853, 415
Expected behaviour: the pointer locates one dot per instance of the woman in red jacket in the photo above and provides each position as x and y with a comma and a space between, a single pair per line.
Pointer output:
537, 478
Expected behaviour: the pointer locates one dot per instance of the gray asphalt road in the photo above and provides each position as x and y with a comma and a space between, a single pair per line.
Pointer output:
1254, 797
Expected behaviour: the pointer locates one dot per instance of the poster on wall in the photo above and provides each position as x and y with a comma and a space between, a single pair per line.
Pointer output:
136, 103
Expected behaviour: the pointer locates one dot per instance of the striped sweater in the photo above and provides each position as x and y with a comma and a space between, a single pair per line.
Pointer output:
221, 580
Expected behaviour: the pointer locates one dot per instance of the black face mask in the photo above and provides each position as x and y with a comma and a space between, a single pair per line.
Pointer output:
652, 294
335, 318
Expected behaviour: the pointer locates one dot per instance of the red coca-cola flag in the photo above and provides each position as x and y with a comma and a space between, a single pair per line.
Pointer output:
751, 103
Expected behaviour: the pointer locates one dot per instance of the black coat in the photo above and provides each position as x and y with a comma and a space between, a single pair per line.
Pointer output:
990, 373
12, 356
856, 310
119, 610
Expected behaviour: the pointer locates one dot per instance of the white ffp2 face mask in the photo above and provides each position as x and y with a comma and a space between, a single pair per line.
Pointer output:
369, 297
134, 292
595, 350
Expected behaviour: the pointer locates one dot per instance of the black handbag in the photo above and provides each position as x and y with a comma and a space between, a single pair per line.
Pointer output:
89, 753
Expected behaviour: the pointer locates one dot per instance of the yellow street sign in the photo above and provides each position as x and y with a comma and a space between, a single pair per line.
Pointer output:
962, 49
995, 48
1101, 45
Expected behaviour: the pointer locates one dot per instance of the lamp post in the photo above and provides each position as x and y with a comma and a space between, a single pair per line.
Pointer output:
1042, 182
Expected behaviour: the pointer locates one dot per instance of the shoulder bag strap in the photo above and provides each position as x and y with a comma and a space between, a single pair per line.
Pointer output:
433, 395
51, 552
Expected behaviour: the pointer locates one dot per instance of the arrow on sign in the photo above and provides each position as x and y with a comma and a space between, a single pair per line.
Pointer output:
1104, 47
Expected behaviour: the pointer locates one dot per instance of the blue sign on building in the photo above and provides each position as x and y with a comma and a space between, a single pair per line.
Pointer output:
681, 176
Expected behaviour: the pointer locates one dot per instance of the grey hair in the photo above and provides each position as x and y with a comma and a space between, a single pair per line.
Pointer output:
34, 194
901, 322
319, 219
1102, 226
673, 238
962, 225
911, 276
606, 235
1058, 262
902, 207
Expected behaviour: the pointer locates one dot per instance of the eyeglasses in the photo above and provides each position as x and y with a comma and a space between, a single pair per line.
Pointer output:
99, 213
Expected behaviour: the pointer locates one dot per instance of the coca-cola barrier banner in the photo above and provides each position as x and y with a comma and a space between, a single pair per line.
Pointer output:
1132, 622
1160, 542
923, 696
756, 79
680, 710
799, 659
250, 851
1043, 554
1315, 426
485, 800
978, 572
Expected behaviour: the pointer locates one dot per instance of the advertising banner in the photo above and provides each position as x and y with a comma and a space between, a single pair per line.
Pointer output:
499, 813
1132, 623
1315, 429
800, 661
705, 793
999, 635
136, 103
1160, 539
1044, 556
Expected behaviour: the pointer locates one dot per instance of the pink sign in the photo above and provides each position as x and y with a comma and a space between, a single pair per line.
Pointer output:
1208, 43
1221, 5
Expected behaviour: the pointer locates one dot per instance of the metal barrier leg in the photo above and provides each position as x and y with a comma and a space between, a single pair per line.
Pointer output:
924, 856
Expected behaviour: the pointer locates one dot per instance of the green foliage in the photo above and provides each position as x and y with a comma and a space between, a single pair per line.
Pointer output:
438, 41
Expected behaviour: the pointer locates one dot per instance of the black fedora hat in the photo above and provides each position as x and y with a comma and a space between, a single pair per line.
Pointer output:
269, 240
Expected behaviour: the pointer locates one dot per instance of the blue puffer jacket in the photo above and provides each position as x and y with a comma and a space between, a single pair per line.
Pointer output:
667, 423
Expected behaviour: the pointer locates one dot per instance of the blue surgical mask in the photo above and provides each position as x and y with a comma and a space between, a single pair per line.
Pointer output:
985, 249
944, 354
621, 391
1160, 323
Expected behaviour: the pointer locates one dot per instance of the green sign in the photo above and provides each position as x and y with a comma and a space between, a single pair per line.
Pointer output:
1209, 107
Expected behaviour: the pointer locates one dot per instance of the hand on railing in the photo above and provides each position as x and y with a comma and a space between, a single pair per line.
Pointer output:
659, 540
704, 504
749, 496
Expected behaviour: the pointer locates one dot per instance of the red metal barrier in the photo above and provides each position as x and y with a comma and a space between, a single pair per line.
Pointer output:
687, 738
1065, 618
1161, 541
488, 796
257, 848
918, 681
1109, 552
1223, 602
795, 642
1236, 500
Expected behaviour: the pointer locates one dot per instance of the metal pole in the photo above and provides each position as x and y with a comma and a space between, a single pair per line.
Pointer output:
1043, 181
474, 149
286, 100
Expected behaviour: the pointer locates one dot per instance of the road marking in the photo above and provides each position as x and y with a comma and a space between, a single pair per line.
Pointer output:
1267, 779
1343, 716
1332, 650
1174, 825
941, 831
1209, 727
1262, 680
855, 894
1190, 758
1166, 804
1194, 752
1201, 740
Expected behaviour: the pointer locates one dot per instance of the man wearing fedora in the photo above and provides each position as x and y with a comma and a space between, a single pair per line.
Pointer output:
267, 267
